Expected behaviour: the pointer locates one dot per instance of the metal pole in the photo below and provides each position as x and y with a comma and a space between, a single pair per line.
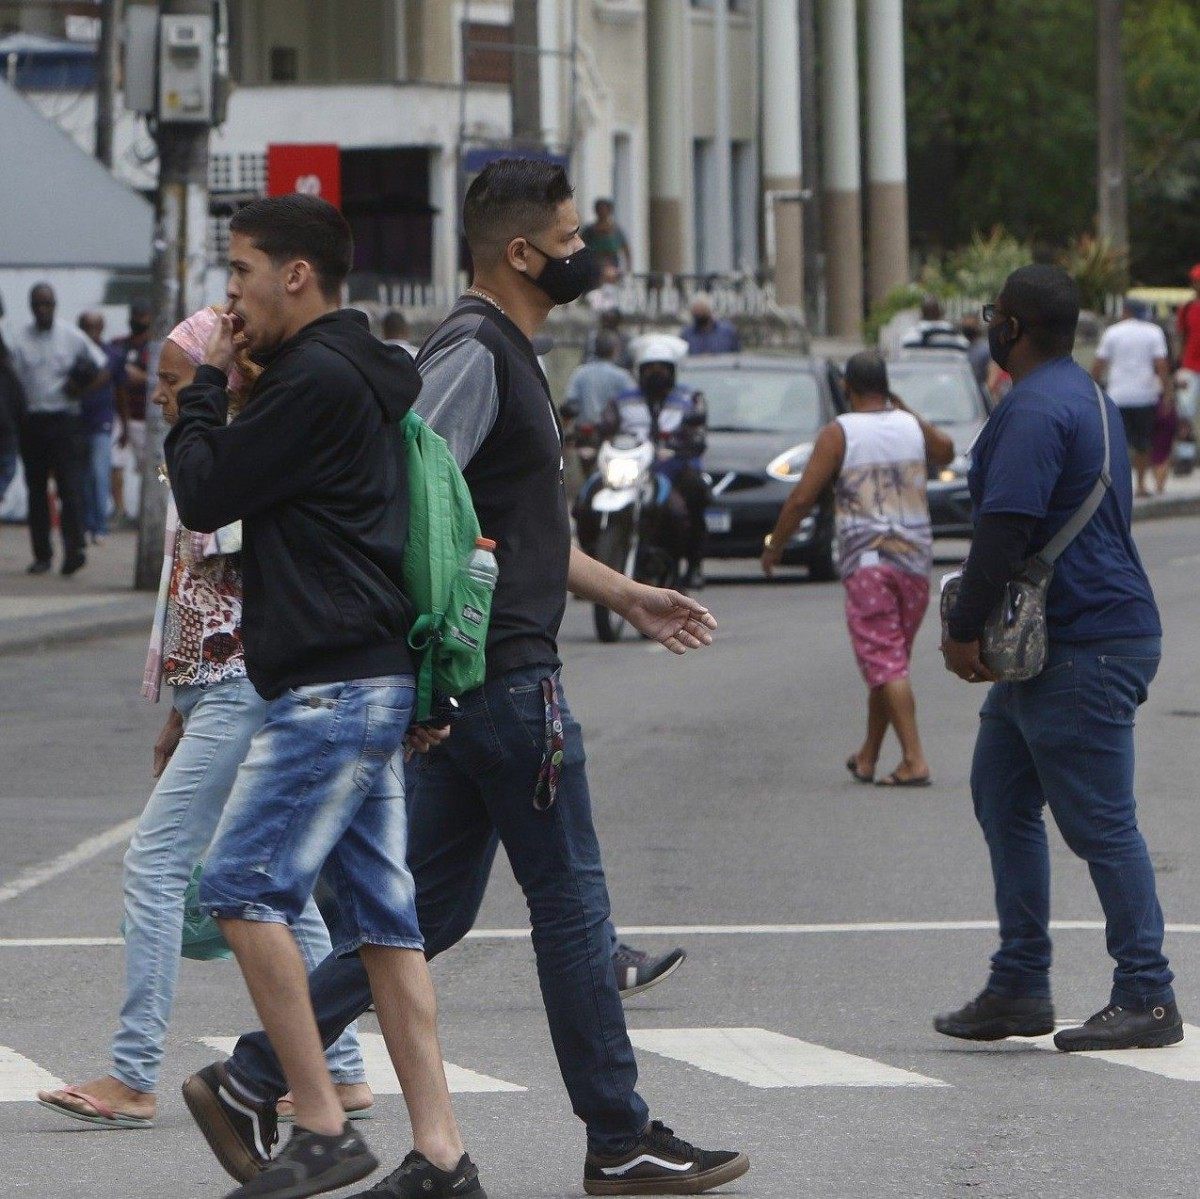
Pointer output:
526, 75
106, 79
813, 239
180, 263
1113, 214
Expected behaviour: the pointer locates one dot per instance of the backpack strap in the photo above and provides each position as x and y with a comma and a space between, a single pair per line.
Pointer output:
1080, 517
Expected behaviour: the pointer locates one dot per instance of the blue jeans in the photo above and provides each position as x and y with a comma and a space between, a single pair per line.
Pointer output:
473, 791
171, 836
1065, 738
97, 484
319, 792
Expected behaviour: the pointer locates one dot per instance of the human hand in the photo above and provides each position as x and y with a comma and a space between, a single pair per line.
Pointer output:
962, 658
168, 742
671, 618
222, 344
421, 740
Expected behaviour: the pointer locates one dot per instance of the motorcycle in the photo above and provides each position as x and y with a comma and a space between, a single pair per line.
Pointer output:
625, 519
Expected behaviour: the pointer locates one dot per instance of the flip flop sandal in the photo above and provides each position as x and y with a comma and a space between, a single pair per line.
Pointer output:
105, 1116
352, 1113
894, 780
852, 766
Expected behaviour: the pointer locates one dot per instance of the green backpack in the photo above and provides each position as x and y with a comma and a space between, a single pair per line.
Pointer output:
449, 635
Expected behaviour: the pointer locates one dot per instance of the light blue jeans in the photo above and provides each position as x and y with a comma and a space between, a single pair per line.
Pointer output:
174, 830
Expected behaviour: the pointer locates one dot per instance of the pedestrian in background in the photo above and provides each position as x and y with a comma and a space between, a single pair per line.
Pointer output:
609, 321
707, 334
606, 239
876, 458
1187, 321
395, 332
132, 389
98, 409
597, 382
933, 331
1065, 737
57, 366
1134, 361
196, 649
12, 412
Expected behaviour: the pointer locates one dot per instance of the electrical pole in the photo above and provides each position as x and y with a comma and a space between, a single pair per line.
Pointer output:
106, 79
1113, 220
526, 75
810, 172
181, 133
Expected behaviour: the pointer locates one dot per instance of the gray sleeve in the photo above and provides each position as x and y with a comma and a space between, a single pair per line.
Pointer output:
459, 398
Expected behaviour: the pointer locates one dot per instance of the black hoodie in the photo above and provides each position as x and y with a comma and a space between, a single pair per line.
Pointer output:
317, 477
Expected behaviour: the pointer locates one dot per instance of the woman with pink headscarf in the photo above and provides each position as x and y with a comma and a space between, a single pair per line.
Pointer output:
196, 648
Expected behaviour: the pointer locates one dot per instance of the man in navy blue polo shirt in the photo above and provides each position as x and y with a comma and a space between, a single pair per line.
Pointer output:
1065, 737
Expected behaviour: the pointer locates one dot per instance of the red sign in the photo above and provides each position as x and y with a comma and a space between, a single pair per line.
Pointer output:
314, 170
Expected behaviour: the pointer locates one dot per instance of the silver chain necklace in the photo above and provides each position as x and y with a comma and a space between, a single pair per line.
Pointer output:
482, 295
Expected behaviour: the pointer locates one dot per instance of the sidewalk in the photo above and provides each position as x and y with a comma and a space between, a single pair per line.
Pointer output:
37, 611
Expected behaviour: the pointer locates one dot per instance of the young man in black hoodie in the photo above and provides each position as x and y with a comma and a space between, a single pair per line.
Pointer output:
312, 467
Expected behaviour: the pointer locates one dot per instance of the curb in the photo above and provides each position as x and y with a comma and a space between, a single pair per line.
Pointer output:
1184, 505
36, 640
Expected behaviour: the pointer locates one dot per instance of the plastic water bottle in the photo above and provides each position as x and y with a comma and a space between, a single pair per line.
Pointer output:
481, 565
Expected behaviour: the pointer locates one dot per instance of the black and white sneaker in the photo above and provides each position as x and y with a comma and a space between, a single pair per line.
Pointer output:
240, 1132
311, 1163
419, 1178
638, 971
661, 1164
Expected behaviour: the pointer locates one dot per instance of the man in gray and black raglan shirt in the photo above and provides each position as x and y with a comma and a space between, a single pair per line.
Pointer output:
494, 776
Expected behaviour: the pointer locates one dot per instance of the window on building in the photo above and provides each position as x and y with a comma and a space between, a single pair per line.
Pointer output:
743, 172
284, 64
486, 53
703, 198
385, 198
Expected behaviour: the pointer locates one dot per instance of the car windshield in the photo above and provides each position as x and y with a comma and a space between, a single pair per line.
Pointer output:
942, 395
749, 401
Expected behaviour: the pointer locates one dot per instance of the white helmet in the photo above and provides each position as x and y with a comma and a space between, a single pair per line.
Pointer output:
658, 347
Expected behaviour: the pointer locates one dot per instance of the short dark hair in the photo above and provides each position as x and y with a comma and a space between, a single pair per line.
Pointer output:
508, 198
395, 324
607, 344
931, 309
1045, 300
299, 226
866, 374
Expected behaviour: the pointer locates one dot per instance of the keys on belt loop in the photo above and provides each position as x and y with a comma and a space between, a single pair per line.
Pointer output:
546, 792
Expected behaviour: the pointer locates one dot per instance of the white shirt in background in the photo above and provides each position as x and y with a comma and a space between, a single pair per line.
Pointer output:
43, 359
1131, 347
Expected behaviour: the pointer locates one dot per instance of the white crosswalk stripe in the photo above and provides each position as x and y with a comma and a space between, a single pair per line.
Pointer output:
21, 1079
762, 1058
382, 1077
1181, 1062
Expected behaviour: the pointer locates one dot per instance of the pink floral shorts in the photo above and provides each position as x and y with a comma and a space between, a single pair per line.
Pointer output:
884, 610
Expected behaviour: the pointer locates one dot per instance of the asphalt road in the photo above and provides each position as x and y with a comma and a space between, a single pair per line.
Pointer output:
722, 801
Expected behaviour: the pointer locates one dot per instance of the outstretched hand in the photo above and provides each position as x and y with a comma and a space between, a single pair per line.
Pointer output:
671, 618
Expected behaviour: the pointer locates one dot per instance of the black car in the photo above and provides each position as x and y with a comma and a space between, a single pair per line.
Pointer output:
941, 387
763, 415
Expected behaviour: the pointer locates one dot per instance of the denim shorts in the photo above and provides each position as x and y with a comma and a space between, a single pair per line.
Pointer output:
319, 792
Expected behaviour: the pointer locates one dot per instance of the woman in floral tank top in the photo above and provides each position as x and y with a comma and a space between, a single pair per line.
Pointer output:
196, 648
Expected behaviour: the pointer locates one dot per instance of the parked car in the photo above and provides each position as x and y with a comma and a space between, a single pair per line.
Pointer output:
763, 415
941, 386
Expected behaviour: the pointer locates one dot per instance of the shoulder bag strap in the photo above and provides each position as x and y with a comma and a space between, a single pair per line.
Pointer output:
1063, 538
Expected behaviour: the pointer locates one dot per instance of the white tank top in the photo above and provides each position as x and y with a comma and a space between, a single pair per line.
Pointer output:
881, 507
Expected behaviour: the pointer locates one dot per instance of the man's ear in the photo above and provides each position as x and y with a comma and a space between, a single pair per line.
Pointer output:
297, 275
517, 254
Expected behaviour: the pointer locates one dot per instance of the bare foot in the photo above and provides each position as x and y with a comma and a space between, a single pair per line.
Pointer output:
354, 1096
114, 1094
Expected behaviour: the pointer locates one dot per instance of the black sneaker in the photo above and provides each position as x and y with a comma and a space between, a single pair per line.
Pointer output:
311, 1163
73, 563
1119, 1028
38, 567
992, 1017
419, 1178
694, 580
239, 1132
638, 971
661, 1164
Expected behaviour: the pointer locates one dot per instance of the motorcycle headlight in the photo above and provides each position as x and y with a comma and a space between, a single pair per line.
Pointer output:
956, 470
621, 472
789, 466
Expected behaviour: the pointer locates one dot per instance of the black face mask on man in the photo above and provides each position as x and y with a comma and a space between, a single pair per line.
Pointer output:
566, 279
1002, 336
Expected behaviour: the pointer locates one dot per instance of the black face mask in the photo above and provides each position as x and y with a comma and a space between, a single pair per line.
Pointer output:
656, 382
1001, 340
138, 327
566, 279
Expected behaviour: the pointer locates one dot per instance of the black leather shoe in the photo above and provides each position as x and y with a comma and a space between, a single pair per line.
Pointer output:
39, 567
694, 580
992, 1017
73, 562
1119, 1028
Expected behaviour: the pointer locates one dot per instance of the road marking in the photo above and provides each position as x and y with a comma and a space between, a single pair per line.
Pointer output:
83, 852
21, 1079
1180, 1062
762, 1058
381, 1076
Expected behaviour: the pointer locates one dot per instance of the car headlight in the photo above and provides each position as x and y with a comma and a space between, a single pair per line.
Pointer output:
956, 470
621, 472
789, 466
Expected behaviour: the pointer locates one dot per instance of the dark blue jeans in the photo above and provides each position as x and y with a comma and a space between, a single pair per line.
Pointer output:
474, 791
1065, 739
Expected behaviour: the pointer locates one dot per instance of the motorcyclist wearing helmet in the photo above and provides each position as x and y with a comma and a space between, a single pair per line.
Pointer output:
673, 418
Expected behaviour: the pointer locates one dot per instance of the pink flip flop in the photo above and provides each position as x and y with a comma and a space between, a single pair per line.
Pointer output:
105, 1117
